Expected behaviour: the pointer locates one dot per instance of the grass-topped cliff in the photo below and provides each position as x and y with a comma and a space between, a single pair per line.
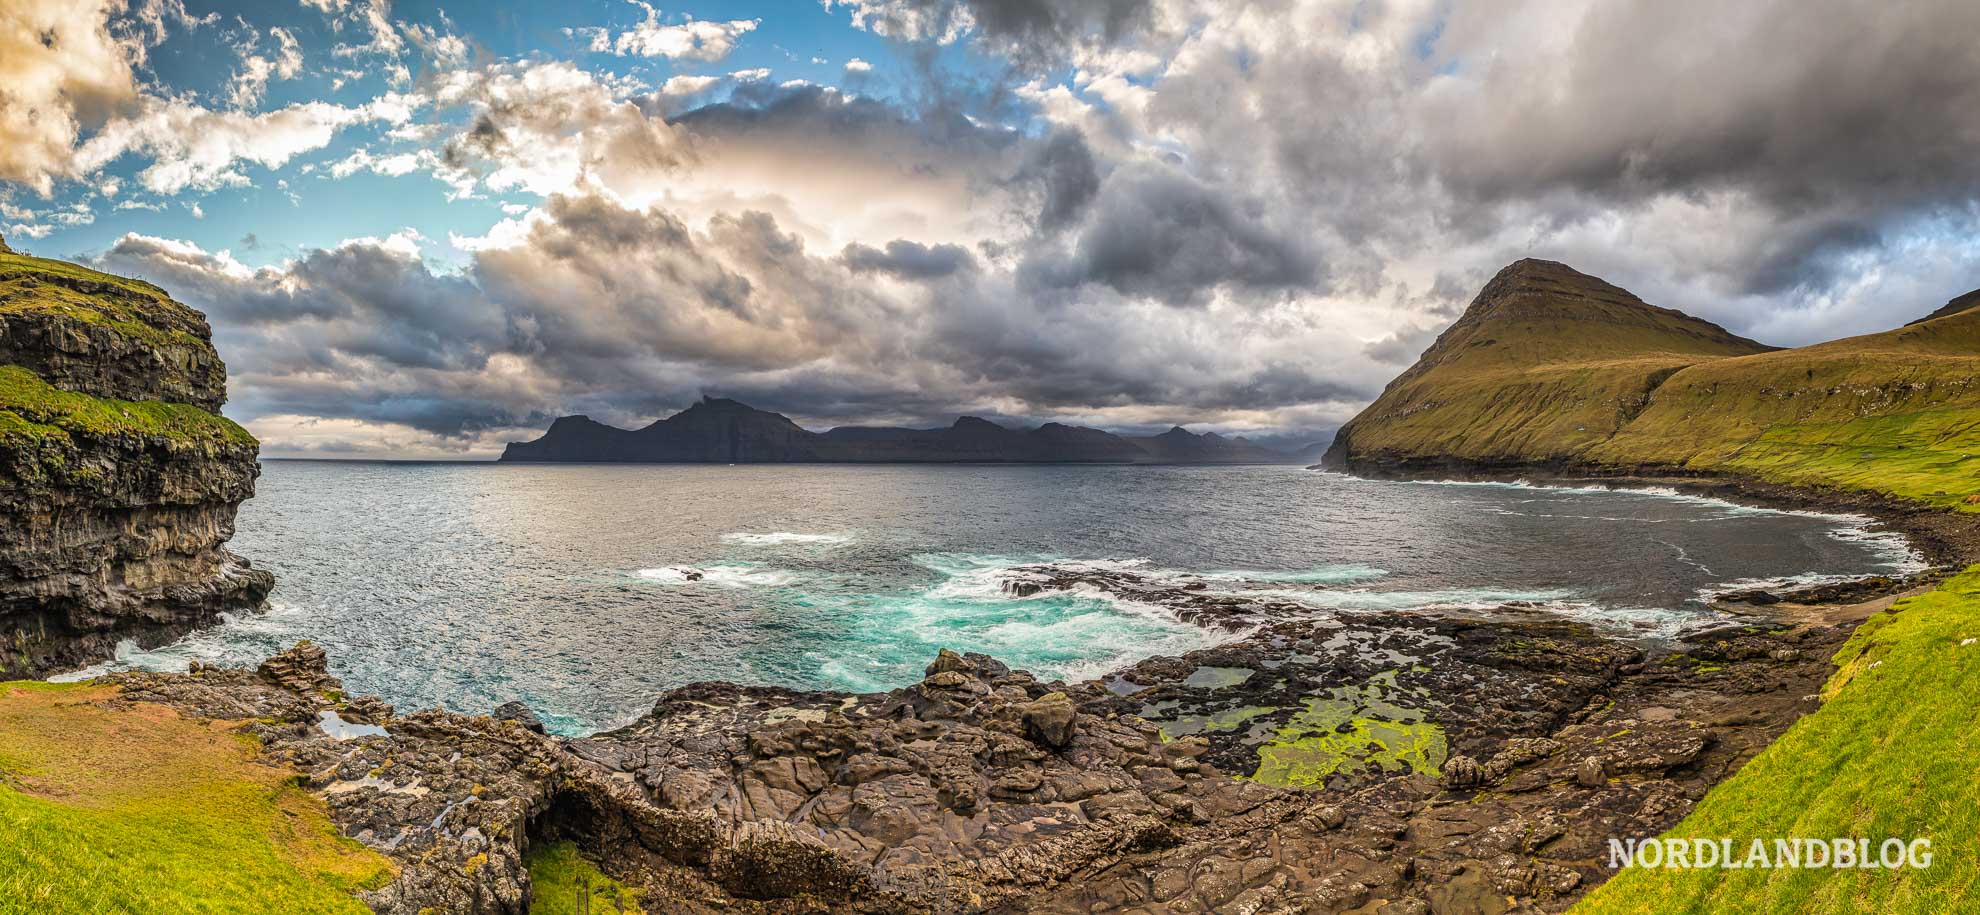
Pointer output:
104, 335
1549, 366
118, 476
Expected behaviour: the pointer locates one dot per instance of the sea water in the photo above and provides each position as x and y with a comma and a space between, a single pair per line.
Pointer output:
586, 590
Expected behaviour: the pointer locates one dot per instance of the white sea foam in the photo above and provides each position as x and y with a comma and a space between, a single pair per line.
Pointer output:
786, 538
720, 575
1323, 575
1444, 599
1075, 633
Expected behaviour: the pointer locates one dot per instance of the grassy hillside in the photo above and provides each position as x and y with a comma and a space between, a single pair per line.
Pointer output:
39, 285
1546, 363
32, 408
130, 808
1552, 366
1896, 412
1889, 755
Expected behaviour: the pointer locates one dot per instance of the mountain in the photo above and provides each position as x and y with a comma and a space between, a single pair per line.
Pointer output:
1552, 367
118, 478
1181, 446
725, 431
1966, 302
1546, 362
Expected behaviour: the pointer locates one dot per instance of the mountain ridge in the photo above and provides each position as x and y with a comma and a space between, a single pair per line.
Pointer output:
1638, 387
721, 430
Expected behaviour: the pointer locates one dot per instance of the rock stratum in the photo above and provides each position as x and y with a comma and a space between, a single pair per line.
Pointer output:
1552, 369
118, 480
721, 431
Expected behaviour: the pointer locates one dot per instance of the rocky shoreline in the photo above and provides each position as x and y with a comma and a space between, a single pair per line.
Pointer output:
1373, 762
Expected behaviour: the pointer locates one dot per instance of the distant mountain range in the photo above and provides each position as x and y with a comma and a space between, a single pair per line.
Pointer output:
721, 431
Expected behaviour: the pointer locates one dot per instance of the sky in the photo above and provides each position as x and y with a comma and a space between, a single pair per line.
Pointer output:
422, 230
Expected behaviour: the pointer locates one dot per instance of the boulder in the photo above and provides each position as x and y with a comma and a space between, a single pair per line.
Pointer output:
520, 714
304, 669
1049, 719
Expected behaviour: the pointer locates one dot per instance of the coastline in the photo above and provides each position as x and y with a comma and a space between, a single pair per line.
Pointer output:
1399, 746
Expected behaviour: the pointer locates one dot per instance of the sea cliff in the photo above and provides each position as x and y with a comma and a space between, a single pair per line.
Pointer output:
118, 480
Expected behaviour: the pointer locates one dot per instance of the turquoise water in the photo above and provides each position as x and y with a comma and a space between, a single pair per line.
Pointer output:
587, 590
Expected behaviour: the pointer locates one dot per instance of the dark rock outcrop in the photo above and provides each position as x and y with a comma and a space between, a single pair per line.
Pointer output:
725, 431
118, 483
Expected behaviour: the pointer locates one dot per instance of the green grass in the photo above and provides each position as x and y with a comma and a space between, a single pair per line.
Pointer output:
1894, 752
131, 808
559, 876
31, 408
132, 307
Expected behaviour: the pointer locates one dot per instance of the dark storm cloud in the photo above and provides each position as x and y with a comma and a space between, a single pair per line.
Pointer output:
1801, 101
818, 114
1837, 116
1063, 176
1158, 233
909, 260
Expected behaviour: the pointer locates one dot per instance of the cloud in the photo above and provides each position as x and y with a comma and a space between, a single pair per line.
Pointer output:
856, 65
251, 80
191, 146
908, 260
1028, 32
695, 39
62, 70
1158, 233
627, 313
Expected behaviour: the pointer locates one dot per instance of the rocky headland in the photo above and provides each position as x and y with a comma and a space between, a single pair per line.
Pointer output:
118, 480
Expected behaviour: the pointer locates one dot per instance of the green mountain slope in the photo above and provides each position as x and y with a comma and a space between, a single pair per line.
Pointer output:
1553, 367
1546, 363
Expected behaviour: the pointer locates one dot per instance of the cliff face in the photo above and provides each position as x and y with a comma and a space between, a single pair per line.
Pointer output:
1553, 367
118, 484
727, 432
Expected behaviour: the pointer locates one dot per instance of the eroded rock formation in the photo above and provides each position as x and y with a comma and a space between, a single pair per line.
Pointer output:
118, 482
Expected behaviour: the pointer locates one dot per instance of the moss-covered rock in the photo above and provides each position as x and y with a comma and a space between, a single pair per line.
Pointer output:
118, 481
104, 335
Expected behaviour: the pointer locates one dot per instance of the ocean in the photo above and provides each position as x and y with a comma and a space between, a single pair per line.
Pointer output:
586, 590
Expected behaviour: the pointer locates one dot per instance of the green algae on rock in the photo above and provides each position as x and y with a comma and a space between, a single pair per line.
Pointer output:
1349, 728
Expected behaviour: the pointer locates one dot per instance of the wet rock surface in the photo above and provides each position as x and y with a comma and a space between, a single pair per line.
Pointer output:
1375, 763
